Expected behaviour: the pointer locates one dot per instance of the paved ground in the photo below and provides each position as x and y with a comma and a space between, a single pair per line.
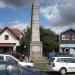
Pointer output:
51, 73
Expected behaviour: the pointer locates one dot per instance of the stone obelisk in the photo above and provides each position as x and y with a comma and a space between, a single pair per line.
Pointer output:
35, 45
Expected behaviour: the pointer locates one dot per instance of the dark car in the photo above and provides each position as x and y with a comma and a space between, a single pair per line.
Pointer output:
8, 68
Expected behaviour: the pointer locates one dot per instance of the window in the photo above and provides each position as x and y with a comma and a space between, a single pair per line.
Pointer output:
65, 37
1, 58
66, 60
60, 60
6, 37
72, 60
73, 37
12, 60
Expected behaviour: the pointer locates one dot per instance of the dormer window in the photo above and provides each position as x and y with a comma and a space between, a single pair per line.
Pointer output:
6, 37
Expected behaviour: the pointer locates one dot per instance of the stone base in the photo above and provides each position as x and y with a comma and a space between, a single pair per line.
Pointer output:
36, 51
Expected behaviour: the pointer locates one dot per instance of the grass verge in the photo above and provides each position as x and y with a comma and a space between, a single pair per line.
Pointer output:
41, 66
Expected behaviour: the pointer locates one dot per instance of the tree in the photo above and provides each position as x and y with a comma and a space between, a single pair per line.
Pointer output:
26, 38
48, 38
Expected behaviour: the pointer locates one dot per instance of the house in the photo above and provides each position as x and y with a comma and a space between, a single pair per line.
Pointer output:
9, 39
67, 41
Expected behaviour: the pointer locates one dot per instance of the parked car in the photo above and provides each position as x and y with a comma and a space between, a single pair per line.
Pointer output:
8, 68
62, 65
7, 57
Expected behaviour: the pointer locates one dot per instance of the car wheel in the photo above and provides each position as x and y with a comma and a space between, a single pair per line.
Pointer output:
63, 71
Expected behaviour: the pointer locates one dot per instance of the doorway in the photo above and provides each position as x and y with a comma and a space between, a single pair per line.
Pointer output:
67, 51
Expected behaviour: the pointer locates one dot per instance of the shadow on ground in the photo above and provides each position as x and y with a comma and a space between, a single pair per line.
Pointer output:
51, 73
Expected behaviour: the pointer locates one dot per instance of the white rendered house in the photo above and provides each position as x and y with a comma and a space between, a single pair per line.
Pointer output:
9, 39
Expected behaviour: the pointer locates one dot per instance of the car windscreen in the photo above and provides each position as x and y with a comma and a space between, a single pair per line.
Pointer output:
7, 69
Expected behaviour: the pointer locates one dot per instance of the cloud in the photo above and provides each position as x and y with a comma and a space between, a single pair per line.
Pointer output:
19, 25
67, 11
58, 29
59, 13
50, 12
2, 4
17, 3
15, 24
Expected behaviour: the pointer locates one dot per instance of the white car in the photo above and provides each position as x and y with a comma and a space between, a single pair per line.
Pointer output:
62, 64
7, 57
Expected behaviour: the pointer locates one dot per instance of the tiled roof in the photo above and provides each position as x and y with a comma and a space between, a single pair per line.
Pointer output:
16, 32
1, 30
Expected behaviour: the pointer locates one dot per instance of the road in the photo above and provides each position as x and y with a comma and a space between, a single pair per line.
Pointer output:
51, 73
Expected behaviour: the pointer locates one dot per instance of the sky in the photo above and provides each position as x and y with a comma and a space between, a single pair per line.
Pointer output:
57, 15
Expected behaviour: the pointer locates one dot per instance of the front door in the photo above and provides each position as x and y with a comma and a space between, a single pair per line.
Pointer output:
67, 50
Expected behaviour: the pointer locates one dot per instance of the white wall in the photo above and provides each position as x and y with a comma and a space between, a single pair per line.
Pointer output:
12, 38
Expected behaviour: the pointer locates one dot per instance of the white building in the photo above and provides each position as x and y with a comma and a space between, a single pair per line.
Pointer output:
9, 39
